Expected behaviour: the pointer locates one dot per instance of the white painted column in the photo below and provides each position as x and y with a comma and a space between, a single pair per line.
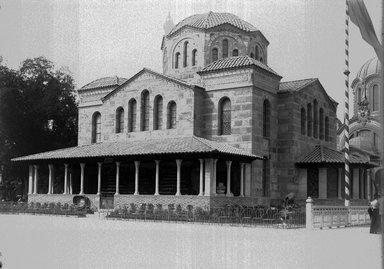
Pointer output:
339, 178
117, 178
178, 163
242, 179
323, 183
201, 191
213, 181
36, 179
248, 180
208, 171
65, 178
157, 177
82, 166
70, 183
369, 195
99, 177
50, 168
229, 193
53, 180
137, 166
356, 179
30, 179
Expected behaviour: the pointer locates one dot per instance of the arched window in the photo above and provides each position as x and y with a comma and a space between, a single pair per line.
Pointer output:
375, 98
185, 54
120, 120
144, 111
215, 54
194, 55
327, 129
96, 127
225, 116
132, 106
252, 56
261, 59
235, 52
158, 113
309, 120
171, 115
303, 120
266, 118
321, 119
257, 52
315, 119
225, 48
358, 95
177, 59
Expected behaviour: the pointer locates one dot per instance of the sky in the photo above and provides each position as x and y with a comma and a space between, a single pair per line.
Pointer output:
99, 38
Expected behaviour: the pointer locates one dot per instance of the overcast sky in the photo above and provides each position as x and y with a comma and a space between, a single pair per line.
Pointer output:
119, 37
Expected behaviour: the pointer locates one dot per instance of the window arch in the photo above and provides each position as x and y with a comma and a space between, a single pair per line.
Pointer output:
261, 59
375, 98
321, 119
185, 57
215, 54
309, 119
144, 111
119, 120
177, 59
235, 52
171, 115
158, 113
303, 120
358, 95
315, 119
225, 48
266, 118
257, 52
327, 129
96, 127
194, 55
252, 56
132, 107
225, 116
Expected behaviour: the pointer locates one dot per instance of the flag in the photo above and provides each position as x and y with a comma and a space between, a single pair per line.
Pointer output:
359, 16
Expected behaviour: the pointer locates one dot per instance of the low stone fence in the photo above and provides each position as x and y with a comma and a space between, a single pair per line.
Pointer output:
319, 217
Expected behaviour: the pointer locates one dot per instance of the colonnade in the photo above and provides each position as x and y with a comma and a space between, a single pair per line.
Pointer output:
207, 173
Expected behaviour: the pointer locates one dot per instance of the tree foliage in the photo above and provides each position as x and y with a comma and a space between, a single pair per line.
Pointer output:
38, 110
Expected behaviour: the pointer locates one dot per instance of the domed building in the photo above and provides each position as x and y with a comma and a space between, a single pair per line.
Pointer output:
217, 126
364, 126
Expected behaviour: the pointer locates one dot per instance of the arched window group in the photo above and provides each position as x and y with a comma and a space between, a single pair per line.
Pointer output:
184, 57
158, 113
132, 106
224, 116
144, 126
96, 127
225, 48
119, 120
313, 122
171, 115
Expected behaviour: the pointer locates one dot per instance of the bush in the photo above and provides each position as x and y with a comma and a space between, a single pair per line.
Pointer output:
159, 208
132, 208
171, 208
150, 208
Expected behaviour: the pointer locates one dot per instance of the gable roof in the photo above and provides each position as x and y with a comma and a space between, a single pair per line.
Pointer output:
104, 82
321, 155
146, 70
236, 62
143, 148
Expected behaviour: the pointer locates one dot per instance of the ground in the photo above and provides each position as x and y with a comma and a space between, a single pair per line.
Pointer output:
66, 242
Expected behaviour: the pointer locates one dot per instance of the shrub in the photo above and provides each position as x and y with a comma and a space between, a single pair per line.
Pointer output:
132, 208
159, 208
171, 208
150, 208
179, 209
65, 206
38, 205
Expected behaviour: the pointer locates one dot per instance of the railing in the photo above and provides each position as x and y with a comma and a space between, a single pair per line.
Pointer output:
240, 215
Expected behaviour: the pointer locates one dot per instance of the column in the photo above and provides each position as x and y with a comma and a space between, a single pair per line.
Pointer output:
369, 195
248, 179
50, 167
99, 178
36, 179
339, 178
178, 163
322, 183
213, 182
355, 183
229, 163
65, 178
82, 166
70, 183
242, 179
201, 192
157, 177
117, 178
137, 165
30, 179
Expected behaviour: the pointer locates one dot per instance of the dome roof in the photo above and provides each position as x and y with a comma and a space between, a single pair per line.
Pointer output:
371, 67
212, 19
104, 82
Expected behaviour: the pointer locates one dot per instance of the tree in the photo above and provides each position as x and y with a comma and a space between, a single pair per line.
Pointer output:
38, 112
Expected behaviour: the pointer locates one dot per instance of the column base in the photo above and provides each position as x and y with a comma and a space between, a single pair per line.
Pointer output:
201, 194
136, 193
178, 194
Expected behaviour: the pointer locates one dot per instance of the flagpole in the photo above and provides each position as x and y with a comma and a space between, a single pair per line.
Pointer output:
346, 113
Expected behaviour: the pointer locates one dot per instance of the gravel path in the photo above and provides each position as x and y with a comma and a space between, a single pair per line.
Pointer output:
65, 242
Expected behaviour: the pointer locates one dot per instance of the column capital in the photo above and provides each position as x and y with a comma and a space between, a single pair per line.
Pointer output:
229, 163
157, 161
242, 165
99, 163
137, 163
50, 166
82, 165
179, 161
117, 163
66, 165
36, 166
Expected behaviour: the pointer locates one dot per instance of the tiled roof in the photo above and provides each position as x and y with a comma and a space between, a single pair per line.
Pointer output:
181, 145
323, 155
104, 82
235, 62
213, 19
295, 85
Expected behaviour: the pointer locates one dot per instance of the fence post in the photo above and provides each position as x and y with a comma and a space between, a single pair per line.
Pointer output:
308, 214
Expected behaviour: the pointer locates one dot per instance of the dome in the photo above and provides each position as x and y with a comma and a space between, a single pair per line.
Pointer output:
104, 82
371, 67
364, 143
212, 19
